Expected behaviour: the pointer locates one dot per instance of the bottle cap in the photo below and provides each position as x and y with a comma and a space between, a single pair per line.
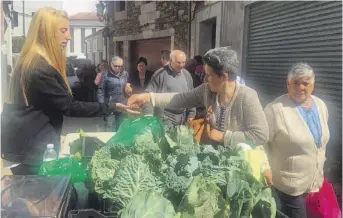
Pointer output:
50, 146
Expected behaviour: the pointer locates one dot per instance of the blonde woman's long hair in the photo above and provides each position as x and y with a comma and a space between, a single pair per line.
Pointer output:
41, 42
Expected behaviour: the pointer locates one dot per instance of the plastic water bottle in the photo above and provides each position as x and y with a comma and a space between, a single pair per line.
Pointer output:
50, 153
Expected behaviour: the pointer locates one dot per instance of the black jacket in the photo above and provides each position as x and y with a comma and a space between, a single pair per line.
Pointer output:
47, 91
136, 83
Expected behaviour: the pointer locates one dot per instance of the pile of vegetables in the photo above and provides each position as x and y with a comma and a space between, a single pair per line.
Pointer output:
171, 176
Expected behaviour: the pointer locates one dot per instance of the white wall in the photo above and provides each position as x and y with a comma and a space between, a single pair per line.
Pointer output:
88, 31
77, 40
88, 26
30, 6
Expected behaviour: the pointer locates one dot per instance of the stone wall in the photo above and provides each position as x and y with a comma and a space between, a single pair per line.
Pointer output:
149, 18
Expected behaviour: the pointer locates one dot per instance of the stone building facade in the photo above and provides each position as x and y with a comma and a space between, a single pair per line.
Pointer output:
144, 28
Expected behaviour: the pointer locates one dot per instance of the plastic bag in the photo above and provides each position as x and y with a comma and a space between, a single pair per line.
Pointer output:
323, 204
63, 167
135, 127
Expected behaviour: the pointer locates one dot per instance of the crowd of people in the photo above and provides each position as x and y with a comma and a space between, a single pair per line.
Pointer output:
293, 128
111, 83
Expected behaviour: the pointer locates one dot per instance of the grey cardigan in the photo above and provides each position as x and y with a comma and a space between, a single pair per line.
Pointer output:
244, 118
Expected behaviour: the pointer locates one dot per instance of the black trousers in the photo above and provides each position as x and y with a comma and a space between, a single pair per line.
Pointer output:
292, 206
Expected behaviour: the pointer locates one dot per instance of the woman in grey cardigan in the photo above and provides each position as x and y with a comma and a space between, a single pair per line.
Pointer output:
298, 135
237, 112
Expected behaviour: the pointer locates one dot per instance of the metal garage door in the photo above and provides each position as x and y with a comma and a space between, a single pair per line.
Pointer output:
283, 33
151, 50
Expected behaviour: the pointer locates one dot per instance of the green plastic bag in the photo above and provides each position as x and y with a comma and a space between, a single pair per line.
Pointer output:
130, 128
63, 167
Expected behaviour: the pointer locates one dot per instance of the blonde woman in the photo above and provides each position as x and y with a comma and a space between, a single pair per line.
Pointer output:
298, 135
39, 80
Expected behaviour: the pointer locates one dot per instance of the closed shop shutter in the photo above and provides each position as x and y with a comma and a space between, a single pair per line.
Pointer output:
283, 33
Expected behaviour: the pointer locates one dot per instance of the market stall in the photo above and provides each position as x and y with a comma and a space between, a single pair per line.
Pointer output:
150, 170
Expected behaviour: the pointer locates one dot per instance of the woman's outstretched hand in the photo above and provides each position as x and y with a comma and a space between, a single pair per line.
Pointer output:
138, 100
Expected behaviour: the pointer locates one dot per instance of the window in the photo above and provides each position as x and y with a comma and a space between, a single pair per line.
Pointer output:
121, 6
120, 10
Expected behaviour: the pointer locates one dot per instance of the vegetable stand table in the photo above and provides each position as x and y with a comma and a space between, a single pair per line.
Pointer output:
81, 188
69, 138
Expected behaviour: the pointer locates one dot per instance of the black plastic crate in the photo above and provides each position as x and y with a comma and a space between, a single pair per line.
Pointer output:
37, 196
91, 213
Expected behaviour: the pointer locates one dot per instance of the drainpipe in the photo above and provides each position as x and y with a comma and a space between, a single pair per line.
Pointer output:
189, 27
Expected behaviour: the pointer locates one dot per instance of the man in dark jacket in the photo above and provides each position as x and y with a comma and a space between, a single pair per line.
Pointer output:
172, 77
114, 88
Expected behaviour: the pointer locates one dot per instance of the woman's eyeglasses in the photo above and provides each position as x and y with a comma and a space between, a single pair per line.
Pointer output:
117, 66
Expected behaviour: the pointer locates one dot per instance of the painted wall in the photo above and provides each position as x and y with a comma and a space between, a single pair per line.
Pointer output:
30, 6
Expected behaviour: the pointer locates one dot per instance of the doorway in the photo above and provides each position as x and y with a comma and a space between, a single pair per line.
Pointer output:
207, 35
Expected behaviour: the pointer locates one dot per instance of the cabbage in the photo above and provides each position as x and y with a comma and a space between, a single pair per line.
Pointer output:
149, 205
132, 176
156, 176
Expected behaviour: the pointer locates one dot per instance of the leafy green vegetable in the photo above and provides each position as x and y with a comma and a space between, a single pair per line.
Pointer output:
157, 174
149, 205
146, 146
177, 174
180, 140
103, 169
203, 200
265, 206
132, 176
248, 196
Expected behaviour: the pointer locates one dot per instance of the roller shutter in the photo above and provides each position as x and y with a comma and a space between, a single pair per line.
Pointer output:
283, 33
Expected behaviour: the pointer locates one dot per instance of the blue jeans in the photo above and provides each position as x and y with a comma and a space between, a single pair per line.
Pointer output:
113, 121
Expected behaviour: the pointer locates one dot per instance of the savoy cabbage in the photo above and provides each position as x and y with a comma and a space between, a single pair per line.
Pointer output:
175, 177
